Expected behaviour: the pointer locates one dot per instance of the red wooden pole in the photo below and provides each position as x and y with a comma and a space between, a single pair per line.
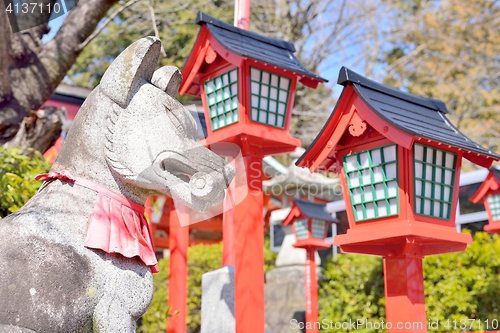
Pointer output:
228, 229
404, 295
311, 292
242, 14
177, 285
249, 253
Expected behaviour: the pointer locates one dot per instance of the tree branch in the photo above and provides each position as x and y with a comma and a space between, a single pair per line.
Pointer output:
155, 28
5, 58
105, 23
59, 54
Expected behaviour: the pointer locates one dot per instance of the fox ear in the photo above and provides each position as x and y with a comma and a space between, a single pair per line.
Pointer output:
168, 79
136, 62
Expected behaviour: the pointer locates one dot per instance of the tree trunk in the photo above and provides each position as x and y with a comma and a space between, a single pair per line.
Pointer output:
30, 71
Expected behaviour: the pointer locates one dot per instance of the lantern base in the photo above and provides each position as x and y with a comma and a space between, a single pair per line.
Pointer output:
400, 238
257, 139
493, 227
314, 243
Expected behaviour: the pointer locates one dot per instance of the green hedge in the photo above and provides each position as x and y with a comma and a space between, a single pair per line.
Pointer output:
17, 183
201, 259
459, 287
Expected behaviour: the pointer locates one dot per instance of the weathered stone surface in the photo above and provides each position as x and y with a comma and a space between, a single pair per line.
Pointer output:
285, 287
217, 301
135, 139
285, 298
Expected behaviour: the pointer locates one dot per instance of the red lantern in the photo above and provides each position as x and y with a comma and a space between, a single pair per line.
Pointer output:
489, 192
398, 158
310, 224
247, 85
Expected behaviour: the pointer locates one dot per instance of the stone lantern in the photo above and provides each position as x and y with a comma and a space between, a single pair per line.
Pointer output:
398, 158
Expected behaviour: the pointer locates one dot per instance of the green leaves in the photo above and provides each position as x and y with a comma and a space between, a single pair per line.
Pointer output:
201, 259
17, 178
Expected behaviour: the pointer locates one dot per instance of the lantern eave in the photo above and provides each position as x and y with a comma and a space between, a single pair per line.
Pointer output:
491, 185
236, 45
398, 116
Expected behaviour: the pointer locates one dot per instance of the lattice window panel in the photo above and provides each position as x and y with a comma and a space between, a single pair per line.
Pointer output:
434, 181
300, 228
222, 99
372, 182
269, 97
494, 203
318, 228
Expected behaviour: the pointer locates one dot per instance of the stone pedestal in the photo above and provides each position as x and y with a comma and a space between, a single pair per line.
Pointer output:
285, 298
217, 301
285, 288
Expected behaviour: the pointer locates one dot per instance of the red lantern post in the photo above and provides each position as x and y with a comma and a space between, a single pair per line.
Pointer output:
489, 193
398, 158
310, 224
247, 84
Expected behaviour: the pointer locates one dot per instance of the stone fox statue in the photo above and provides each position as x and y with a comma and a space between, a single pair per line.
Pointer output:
78, 256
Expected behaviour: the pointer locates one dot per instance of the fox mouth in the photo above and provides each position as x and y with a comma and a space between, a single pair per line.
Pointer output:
188, 184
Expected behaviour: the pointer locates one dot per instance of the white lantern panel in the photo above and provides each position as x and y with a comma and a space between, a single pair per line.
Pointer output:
370, 211
274, 93
392, 189
373, 183
351, 163
264, 90
274, 80
379, 191
368, 193
272, 96
390, 153
393, 205
318, 228
221, 94
363, 160
391, 171
255, 114
418, 170
356, 196
419, 152
494, 204
255, 74
272, 118
382, 208
434, 181
378, 174
353, 176
281, 121
376, 157
301, 231
366, 177
262, 116
284, 83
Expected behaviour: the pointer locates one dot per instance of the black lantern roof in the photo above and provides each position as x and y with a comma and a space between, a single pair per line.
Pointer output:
252, 45
419, 116
314, 210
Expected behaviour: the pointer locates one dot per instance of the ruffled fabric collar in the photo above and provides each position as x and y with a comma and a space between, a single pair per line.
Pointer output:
117, 224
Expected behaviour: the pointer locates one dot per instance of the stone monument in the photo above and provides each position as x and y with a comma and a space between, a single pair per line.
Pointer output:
78, 256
